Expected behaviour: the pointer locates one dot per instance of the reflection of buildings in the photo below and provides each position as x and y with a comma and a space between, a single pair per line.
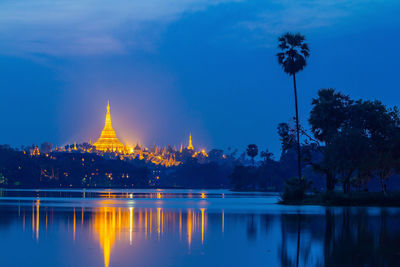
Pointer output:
123, 224
329, 237
127, 225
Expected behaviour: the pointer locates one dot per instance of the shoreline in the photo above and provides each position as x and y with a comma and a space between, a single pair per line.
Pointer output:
353, 199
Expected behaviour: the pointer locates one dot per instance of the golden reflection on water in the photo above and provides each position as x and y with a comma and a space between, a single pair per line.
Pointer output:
111, 224
135, 221
35, 219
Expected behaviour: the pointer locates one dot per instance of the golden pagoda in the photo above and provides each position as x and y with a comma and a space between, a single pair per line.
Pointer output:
108, 140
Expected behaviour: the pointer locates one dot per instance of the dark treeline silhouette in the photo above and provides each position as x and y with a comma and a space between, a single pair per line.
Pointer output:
361, 140
352, 144
24, 169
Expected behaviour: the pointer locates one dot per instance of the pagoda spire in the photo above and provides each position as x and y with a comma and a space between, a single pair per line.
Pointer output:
108, 140
190, 146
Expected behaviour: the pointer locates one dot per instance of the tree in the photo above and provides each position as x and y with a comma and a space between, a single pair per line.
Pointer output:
361, 138
329, 114
266, 155
293, 59
288, 139
349, 151
252, 151
381, 125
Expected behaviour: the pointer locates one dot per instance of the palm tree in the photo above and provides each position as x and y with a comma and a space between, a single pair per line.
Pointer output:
293, 59
252, 151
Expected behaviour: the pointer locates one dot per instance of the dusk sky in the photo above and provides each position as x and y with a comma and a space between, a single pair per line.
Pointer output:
172, 67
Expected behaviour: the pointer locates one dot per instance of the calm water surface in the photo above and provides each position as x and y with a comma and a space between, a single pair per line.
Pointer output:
188, 228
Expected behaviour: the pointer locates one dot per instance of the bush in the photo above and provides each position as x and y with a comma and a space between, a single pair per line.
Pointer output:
295, 190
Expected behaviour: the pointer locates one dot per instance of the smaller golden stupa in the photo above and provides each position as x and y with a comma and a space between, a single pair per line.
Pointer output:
108, 140
190, 146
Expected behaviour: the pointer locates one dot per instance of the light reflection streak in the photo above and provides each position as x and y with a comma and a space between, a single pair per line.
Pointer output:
82, 214
158, 222
189, 227
37, 219
223, 221
145, 224
74, 227
202, 226
130, 225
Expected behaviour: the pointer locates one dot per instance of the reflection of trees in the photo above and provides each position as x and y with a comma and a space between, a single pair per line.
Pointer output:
257, 224
310, 232
353, 242
389, 241
362, 240
347, 237
251, 228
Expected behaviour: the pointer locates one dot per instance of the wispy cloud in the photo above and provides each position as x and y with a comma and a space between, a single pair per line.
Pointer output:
93, 27
288, 15
86, 26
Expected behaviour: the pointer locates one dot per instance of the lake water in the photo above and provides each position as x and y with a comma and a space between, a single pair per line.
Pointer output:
189, 228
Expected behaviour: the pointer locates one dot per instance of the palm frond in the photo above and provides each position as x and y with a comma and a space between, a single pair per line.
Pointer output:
304, 46
293, 52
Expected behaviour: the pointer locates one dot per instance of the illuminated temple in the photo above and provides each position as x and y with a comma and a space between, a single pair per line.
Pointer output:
108, 144
108, 140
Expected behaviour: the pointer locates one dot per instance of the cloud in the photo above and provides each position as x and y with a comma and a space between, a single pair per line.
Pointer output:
85, 27
301, 15
97, 27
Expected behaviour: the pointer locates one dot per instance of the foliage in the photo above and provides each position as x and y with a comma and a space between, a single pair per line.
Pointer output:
361, 139
329, 112
287, 137
295, 190
294, 52
252, 151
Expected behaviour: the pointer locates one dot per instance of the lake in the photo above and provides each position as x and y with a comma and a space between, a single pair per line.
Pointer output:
189, 228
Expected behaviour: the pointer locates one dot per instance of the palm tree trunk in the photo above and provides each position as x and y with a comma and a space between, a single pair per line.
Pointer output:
330, 185
383, 185
297, 127
298, 239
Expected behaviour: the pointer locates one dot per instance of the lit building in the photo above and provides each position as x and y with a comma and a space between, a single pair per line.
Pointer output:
108, 140
35, 151
190, 146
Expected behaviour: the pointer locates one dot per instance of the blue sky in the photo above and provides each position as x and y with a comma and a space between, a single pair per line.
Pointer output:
173, 67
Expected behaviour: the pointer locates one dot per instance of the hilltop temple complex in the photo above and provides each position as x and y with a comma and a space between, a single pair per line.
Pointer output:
108, 143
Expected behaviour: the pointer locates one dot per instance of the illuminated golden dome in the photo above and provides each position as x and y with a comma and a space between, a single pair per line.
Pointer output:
108, 140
